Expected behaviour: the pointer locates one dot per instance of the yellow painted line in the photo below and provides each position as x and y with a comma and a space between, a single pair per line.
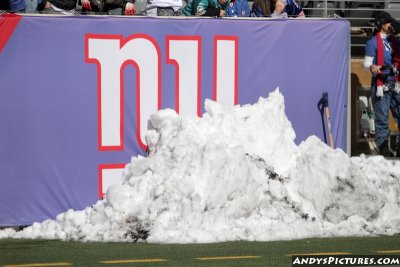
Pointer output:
228, 258
387, 251
133, 261
320, 254
39, 264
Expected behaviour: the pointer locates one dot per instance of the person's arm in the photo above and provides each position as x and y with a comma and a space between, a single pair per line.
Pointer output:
278, 11
368, 62
290, 9
297, 10
187, 10
370, 55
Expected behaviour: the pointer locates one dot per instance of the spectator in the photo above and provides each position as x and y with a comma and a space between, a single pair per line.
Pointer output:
207, 8
277, 9
164, 8
110, 7
238, 8
382, 58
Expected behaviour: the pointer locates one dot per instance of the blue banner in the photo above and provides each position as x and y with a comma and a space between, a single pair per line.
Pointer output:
76, 92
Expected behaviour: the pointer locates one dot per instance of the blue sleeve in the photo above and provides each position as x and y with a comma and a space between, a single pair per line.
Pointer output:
188, 9
370, 47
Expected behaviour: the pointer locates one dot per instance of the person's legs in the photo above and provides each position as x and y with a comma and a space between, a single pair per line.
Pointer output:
381, 107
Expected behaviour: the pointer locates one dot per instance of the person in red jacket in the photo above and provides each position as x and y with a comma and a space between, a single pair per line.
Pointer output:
382, 59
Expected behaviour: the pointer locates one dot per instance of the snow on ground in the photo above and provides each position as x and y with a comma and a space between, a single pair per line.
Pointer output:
236, 174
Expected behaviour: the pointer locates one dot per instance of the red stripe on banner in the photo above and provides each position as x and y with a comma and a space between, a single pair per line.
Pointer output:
8, 23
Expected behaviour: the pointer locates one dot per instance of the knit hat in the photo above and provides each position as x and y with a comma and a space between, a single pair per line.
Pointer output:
381, 18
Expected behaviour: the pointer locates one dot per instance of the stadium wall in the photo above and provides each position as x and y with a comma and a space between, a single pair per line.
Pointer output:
76, 92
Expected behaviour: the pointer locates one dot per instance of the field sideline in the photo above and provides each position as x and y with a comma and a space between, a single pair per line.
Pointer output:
277, 253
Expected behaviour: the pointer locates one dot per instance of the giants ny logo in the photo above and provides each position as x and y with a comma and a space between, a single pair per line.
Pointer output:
112, 53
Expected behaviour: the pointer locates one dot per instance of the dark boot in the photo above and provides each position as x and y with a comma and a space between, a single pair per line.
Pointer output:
384, 149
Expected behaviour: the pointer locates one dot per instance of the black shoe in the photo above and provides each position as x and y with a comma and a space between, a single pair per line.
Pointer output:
384, 150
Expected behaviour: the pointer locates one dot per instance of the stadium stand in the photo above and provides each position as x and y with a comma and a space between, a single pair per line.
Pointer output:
360, 13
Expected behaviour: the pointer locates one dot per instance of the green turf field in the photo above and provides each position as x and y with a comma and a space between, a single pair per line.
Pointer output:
57, 253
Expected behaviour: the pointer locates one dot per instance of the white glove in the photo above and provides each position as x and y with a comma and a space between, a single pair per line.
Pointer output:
379, 91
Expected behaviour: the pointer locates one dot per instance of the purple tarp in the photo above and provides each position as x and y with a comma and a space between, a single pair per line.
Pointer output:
51, 155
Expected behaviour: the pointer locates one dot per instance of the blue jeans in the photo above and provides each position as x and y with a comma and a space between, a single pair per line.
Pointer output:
389, 101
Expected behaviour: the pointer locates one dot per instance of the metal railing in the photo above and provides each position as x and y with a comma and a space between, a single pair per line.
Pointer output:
359, 13
355, 9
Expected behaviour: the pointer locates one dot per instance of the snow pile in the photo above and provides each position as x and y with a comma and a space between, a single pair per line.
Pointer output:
236, 174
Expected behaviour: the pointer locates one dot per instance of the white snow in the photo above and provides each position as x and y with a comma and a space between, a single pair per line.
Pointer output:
236, 174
